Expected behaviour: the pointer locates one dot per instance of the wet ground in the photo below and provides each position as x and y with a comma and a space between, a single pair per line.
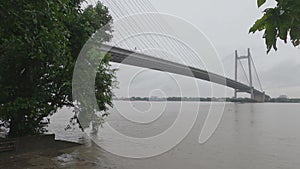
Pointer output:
58, 154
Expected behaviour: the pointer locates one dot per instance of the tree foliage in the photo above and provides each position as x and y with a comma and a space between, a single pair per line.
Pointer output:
39, 44
281, 22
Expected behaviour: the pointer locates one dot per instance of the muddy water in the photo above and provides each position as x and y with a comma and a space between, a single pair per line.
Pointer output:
250, 136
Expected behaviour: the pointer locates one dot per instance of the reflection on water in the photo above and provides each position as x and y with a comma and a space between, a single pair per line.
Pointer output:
250, 136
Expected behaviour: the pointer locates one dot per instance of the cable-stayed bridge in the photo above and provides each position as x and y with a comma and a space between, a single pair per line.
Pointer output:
139, 32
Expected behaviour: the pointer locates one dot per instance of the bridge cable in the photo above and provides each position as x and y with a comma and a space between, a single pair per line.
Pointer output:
256, 73
244, 72
153, 24
157, 25
128, 28
183, 52
111, 8
144, 42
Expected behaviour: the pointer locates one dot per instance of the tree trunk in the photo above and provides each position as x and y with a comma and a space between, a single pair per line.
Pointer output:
15, 127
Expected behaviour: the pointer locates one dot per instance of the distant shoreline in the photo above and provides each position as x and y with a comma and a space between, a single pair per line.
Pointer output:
196, 99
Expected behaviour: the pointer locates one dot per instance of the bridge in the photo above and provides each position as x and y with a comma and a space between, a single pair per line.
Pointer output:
124, 56
121, 47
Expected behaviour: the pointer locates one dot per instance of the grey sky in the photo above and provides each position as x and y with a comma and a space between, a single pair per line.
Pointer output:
226, 24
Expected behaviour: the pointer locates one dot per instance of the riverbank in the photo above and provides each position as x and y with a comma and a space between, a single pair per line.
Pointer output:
36, 152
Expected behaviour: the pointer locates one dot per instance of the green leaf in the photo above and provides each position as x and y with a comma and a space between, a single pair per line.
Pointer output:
295, 35
260, 2
271, 38
283, 32
259, 25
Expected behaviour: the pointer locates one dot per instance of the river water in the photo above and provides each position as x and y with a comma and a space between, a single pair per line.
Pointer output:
249, 136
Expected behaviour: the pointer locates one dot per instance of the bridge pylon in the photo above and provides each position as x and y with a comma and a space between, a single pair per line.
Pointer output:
249, 60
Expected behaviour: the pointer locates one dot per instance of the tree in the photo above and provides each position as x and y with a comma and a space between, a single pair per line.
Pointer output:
281, 22
39, 44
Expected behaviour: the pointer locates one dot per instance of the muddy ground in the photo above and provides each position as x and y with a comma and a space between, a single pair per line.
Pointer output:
46, 153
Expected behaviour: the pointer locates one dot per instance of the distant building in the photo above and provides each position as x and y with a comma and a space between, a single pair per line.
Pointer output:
283, 97
155, 98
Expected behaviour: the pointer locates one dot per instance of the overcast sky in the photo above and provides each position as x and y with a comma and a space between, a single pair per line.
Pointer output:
226, 25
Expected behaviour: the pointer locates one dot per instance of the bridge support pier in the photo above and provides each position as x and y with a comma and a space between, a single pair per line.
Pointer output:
260, 97
252, 93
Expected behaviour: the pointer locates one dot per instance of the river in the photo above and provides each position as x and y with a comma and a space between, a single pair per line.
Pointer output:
249, 136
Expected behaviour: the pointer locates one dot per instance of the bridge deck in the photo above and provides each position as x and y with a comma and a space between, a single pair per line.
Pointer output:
128, 57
